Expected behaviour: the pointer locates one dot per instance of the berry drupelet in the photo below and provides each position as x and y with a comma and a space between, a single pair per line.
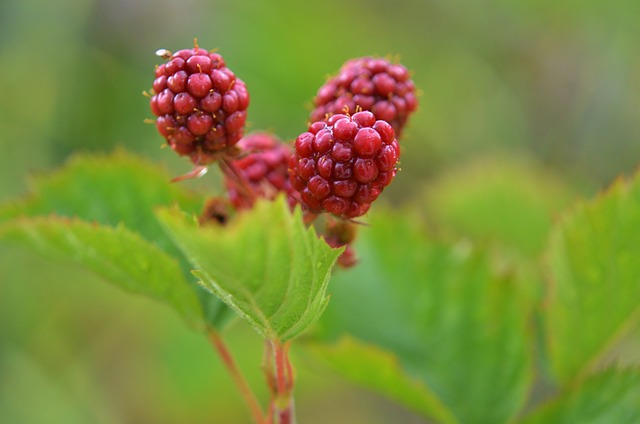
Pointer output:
200, 105
342, 164
372, 84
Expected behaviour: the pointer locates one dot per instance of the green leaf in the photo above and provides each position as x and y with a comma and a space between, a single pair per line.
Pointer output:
110, 189
612, 396
140, 268
453, 321
265, 265
594, 269
116, 189
502, 199
377, 369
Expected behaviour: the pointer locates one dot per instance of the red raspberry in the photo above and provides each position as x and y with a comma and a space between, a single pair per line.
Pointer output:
368, 83
200, 104
342, 164
263, 172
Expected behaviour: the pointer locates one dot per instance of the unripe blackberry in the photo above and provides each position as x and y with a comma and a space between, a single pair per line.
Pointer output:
201, 106
261, 172
372, 84
342, 164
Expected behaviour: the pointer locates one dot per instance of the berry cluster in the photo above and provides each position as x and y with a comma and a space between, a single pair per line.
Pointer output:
373, 84
342, 164
200, 104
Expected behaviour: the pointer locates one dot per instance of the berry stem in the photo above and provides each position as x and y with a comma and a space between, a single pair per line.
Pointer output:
231, 171
241, 383
280, 378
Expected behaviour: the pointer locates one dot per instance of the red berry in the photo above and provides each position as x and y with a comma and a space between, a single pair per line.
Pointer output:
200, 104
263, 172
372, 84
342, 164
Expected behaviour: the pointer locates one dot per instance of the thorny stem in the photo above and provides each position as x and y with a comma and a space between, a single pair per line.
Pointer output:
280, 379
242, 385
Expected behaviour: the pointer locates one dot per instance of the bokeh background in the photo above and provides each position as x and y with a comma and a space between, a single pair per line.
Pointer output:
550, 86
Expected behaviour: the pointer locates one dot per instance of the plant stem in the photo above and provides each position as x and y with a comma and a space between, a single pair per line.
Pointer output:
231, 171
281, 381
242, 385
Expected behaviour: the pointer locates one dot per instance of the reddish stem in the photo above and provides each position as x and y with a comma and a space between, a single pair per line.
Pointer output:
281, 370
280, 378
239, 380
231, 171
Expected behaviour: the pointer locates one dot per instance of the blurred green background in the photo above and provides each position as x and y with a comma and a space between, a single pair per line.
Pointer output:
543, 96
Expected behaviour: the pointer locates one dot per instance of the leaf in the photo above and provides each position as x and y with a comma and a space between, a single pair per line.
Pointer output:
377, 369
451, 319
265, 265
507, 200
112, 190
109, 189
612, 396
594, 268
140, 268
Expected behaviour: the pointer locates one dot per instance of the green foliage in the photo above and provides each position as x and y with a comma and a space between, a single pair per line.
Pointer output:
374, 368
612, 396
265, 265
557, 80
452, 320
110, 189
443, 327
118, 192
502, 199
594, 270
117, 254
